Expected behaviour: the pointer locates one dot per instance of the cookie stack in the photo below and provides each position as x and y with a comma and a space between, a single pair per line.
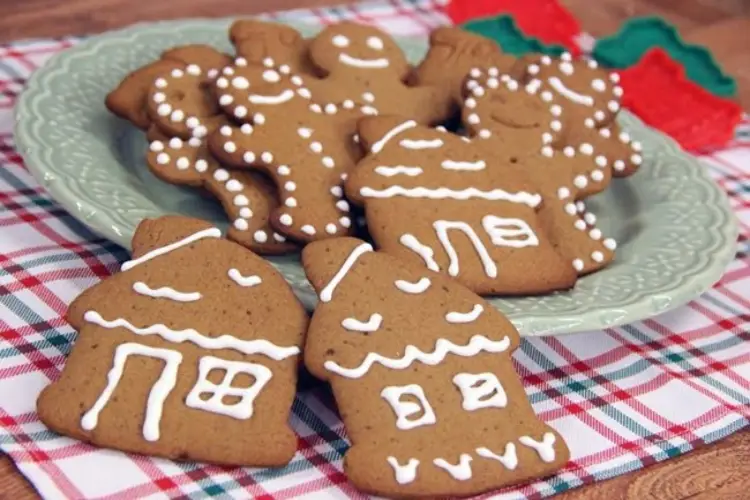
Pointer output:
295, 137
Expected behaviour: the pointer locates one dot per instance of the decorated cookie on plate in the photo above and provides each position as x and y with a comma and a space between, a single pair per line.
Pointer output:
256, 40
189, 353
422, 375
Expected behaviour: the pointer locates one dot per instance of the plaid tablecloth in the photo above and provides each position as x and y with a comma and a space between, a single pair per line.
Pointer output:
623, 398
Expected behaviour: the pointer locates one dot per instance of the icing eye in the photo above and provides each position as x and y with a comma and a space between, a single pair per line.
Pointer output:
598, 85
340, 41
375, 43
271, 76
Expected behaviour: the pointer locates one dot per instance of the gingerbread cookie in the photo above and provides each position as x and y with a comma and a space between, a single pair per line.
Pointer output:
472, 213
422, 375
181, 101
189, 353
304, 147
247, 197
535, 134
256, 40
364, 68
591, 96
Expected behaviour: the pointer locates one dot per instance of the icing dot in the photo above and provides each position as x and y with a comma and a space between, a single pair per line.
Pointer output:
493, 71
547, 151
569, 151
580, 182
580, 206
304, 132
266, 156
565, 56
589, 123
162, 158
240, 111
308, 229
473, 118
566, 68
605, 132
290, 202
493, 83
278, 237
225, 130
340, 41
617, 91
259, 118
285, 69
182, 163
192, 122
472, 84
212, 73
636, 159
614, 77
177, 73
478, 91
368, 96
331, 228
589, 218
296, 80
221, 175
556, 125
316, 147
175, 143
348, 104
636, 146
201, 165
271, 76
222, 83
439, 128
597, 256
609, 244
512, 85
580, 225
260, 236
598, 85
230, 147
546, 96
328, 162
586, 148
286, 219
156, 146
246, 129
601, 161
570, 209
533, 69
337, 191
304, 93
563, 193
345, 221
342, 205
555, 109
595, 234
290, 186
240, 82
284, 170
164, 109
613, 106
160, 83
248, 157
330, 109
592, 64
246, 213
546, 138
599, 115
597, 176
484, 133
194, 142
241, 200
475, 73
228, 71
200, 131
533, 86
160, 97
624, 137
241, 224
268, 62
316, 108
375, 43
546, 60
578, 264
369, 110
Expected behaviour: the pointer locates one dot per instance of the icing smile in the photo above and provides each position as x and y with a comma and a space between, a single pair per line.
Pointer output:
574, 96
271, 99
363, 63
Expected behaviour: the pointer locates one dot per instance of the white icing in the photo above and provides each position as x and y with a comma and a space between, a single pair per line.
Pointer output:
271, 76
544, 448
421, 143
574, 96
327, 293
205, 233
599, 85
405, 474
340, 41
515, 233
242, 409
523, 197
363, 63
442, 227
378, 146
386, 171
481, 390
460, 471
443, 347
259, 346
509, 459
270, 99
165, 292
413, 288
412, 243
375, 43
371, 325
405, 409
248, 281
463, 165
159, 391
457, 317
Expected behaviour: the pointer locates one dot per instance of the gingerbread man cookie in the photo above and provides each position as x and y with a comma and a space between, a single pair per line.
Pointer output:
256, 40
247, 197
423, 378
534, 134
189, 353
302, 146
472, 213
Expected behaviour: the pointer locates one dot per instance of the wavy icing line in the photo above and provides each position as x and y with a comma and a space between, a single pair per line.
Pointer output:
165, 292
521, 197
443, 347
206, 233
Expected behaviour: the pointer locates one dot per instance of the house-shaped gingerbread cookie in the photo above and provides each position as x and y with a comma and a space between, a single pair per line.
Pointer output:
421, 371
190, 352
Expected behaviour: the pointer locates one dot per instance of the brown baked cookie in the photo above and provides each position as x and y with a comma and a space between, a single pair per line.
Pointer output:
535, 135
364, 68
305, 148
438, 199
423, 379
589, 95
256, 41
189, 353
181, 101
247, 197
453, 52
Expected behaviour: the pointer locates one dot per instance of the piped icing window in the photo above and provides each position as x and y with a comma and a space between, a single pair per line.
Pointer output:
482, 390
410, 405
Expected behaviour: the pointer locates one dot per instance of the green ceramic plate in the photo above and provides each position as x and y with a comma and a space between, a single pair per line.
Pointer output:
674, 225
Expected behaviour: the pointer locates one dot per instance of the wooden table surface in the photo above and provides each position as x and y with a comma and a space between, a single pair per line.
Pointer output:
717, 472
